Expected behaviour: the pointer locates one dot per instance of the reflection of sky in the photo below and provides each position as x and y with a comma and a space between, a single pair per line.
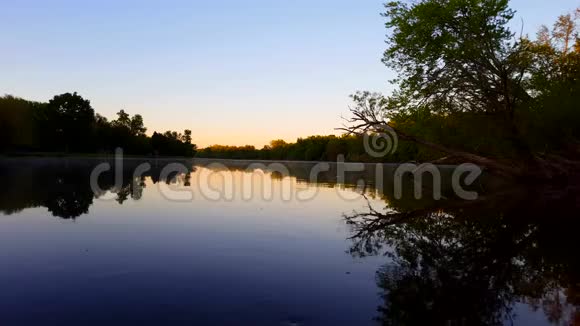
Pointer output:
250, 200
265, 261
261, 258
235, 72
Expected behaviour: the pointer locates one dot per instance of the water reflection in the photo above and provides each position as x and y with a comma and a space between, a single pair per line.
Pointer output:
445, 262
461, 263
63, 186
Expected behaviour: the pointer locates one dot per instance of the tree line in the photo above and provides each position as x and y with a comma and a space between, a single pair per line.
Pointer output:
68, 124
314, 148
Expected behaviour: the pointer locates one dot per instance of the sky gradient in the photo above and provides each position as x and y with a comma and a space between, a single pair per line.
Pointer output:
234, 72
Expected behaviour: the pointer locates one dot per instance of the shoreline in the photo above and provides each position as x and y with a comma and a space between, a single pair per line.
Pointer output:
47, 156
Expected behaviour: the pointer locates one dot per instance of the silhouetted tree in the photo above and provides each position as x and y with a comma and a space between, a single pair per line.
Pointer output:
137, 125
68, 123
17, 128
123, 119
74, 120
187, 136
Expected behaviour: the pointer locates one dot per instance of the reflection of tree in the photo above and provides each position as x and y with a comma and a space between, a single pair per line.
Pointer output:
468, 263
133, 188
69, 198
63, 186
123, 194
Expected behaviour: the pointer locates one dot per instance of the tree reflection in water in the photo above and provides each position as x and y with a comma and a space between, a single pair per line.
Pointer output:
449, 262
469, 263
63, 186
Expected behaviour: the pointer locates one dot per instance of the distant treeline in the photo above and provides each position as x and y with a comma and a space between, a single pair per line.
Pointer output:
313, 148
68, 124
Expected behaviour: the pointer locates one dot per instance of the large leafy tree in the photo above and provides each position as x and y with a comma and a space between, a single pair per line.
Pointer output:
75, 118
459, 65
456, 55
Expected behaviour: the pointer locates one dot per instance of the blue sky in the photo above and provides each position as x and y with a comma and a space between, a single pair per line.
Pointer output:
235, 72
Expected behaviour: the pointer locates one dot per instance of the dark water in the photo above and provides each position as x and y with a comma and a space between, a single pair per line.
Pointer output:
228, 244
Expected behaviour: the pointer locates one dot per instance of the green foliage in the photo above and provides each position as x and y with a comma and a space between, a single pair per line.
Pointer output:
464, 81
552, 120
453, 53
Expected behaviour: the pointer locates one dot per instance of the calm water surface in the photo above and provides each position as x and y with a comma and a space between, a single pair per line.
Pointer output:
224, 244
